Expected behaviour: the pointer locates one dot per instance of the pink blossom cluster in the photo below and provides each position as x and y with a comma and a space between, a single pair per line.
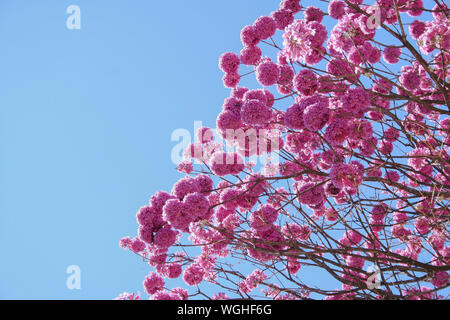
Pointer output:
303, 41
360, 125
252, 281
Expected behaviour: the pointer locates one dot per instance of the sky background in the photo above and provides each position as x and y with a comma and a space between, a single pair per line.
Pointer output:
86, 118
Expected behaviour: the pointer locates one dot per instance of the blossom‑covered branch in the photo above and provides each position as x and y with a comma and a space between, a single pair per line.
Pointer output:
358, 117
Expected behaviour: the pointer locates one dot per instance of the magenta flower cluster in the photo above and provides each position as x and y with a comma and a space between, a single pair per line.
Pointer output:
363, 140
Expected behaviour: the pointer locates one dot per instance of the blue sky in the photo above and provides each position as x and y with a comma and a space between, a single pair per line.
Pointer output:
85, 123
86, 118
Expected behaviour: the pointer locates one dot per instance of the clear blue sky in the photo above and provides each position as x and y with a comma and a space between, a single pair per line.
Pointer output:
85, 123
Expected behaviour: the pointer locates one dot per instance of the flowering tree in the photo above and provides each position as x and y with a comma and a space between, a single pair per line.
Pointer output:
354, 106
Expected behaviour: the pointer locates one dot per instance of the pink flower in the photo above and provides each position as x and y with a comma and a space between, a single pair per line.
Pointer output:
255, 184
164, 295
346, 175
391, 134
185, 167
253, 280
146, 233
399, 231
238, 93
176, 214
376, 225
128, 296
382, 86
409, 78
257, 94
220, 296
440, 279
147, 215
304, 233
353, 236
153, 283
440, 12
226, 163
137, 245
243, 287
193, 274
399, 217
195, 151
221, 213
180, 214
267, 73
196, 204
249, 37
306, 82
434, 37
416, 29
392, 54
337, 131
336, 9
385, 147
205, 135
284, 89
316, 116
311, 194
392, 175
231, 80
264, 27
360, 129
356, 101
228, 120
255, 112
418, 158
437, 240
184, 186
292, 5
158, 200
294, 116
293, 266
125, 242
302, 37
231, 222
173, 270
269, 98
250, 55
422, 225
229, 198
313, 14
204, 183
286, 75
414, 8
341, 69
355, 262
263, 218
283, 18
331, 214
165, 237
183, 294
229, 62
315, 56
150, 216
367, 148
